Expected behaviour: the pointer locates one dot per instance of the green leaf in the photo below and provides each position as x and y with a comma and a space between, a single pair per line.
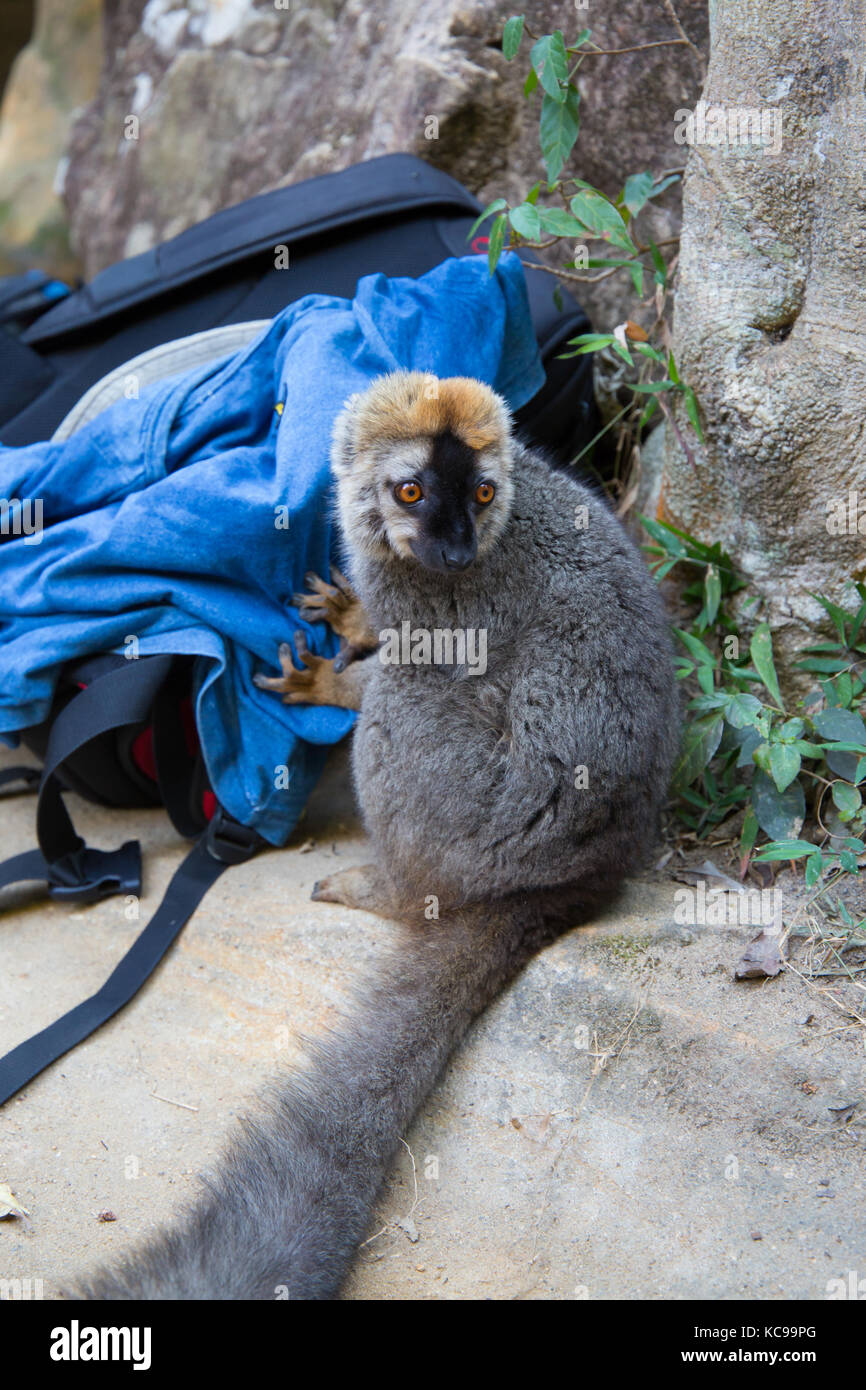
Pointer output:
580, 40
623, 352
649, 410
761, 650
696, 648
531, 83
842, 725
672, 370
590, 342
700, 741
558, 130
791, 730
638, 188
787, 849
691, 401
526, 221
495, 206
742, 710
512, 35
807, 750
550, 61
648, 351
780, 814
784, 764
558, 222
747, 740
823, 666
663, 184
666, 536
659, 265
847, 800
496, 242
814, 865
761, 757
749, 833
712, 594
839, 615
600, 217
635, 270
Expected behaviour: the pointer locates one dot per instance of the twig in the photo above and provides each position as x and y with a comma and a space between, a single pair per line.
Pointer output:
590, 279
637, 48
370, 1239
669, 416
675, 20
168, 1100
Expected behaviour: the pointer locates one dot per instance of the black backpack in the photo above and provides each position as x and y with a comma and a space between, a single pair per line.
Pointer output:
395, 214
121, 732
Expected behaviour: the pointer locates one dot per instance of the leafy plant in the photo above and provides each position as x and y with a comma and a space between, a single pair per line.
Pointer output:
742, 748
559, 208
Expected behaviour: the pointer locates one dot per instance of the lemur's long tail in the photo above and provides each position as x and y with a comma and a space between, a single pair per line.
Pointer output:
293, 1196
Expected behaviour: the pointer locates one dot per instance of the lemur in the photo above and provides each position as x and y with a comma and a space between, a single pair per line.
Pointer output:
515, 800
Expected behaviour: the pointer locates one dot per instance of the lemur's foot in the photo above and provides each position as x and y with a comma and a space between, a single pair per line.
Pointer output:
317, 682
357, 887
338, 605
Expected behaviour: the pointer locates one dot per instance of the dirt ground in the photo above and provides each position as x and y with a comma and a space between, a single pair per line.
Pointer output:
626, 1122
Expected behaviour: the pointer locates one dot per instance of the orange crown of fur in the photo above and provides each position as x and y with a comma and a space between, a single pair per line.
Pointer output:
406, 405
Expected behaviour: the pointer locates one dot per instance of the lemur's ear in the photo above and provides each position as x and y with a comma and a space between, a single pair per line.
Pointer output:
343, 441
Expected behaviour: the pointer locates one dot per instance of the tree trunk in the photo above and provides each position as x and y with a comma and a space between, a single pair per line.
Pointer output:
770, 323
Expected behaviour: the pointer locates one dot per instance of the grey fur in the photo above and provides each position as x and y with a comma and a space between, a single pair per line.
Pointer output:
467, 787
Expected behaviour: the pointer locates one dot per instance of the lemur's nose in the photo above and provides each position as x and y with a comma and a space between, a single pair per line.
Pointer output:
458, 557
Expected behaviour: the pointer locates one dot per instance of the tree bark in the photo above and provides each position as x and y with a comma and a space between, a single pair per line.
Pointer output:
770, 325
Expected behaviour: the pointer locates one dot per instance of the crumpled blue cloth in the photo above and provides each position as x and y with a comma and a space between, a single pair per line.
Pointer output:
188, 518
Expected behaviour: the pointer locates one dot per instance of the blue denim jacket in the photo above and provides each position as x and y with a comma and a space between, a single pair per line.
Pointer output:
185, 520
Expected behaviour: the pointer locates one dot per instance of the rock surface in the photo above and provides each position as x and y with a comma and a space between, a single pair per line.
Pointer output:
770, 324
230, 99
52, 79
626, 1122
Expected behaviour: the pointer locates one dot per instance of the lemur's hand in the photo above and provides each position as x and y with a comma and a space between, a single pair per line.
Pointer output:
318, 682
338, 605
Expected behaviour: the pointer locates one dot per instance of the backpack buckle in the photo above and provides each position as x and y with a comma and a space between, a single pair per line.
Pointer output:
88, 875
229, 841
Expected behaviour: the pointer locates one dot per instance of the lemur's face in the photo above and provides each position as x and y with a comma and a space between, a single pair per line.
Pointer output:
437, 497
424, 470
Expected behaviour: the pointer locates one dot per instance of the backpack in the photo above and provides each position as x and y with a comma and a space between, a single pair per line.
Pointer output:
122, 733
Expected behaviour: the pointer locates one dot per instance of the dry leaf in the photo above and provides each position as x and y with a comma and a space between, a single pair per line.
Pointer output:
762, 957
407, 1225
635, 332
8, 1205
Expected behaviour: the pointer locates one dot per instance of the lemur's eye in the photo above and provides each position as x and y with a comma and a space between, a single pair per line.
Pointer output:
408, 492
484, 494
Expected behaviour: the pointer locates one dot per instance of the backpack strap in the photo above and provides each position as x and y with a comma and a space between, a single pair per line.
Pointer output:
224, 842
29, 777
75, 872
